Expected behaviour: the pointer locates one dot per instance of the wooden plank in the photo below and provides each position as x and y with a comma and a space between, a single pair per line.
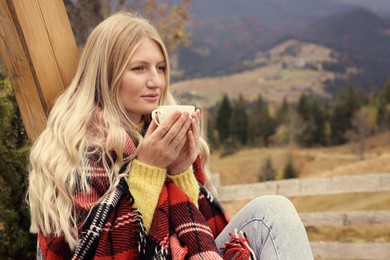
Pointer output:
345, 218
22, 77
50, 43
362, 251
306, 187
40, 55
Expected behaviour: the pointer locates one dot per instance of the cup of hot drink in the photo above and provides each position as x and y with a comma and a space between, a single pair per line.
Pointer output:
162, 112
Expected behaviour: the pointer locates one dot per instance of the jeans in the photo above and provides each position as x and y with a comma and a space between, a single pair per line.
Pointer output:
273, 228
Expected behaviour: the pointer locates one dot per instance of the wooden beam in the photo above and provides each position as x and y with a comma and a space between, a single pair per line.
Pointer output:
40, 55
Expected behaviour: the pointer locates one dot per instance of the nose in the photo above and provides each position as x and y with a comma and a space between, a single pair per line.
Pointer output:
156, 79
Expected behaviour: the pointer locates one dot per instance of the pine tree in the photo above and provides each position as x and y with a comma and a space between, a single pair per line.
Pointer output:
303, 110
344, 107
268, 172
16, 241
224, 114
261, 126
303, 107
313, 118
282, 112
239, 122
289, 171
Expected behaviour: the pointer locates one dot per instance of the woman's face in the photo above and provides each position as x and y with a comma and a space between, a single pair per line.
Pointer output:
143, 81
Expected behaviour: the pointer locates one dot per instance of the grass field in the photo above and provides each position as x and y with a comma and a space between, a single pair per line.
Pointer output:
244, 167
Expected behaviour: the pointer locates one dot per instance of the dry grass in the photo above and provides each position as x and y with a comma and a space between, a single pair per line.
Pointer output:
244, 167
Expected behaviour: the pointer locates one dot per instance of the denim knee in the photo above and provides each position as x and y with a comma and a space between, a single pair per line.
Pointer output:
276, 204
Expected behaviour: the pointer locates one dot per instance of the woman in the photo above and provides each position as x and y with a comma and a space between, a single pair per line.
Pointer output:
106, 181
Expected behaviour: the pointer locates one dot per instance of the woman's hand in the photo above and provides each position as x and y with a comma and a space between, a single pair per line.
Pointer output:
162, 144
190, 150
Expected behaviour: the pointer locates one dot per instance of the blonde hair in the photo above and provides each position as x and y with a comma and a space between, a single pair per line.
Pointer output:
88, 114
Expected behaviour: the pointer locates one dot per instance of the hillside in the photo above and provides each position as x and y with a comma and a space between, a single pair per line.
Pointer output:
363, 40
287, 70
359, 33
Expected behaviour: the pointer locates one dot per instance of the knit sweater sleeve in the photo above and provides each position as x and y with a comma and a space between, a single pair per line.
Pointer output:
145, 183
188, 183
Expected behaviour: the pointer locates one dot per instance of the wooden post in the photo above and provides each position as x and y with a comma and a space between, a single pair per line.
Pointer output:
40, 55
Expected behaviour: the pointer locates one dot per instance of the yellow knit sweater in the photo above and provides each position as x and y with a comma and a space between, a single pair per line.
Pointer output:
146, 181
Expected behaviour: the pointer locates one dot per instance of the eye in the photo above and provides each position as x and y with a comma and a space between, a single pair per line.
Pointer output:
161, 68
139, 68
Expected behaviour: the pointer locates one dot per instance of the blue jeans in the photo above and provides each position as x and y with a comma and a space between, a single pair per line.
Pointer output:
273, 228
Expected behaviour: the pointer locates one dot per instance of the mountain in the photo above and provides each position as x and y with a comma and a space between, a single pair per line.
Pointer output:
358, 32
381, 7
267, 10
226, 35
362, 37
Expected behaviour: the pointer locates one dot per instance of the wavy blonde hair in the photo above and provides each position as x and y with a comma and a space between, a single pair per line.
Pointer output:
58, 156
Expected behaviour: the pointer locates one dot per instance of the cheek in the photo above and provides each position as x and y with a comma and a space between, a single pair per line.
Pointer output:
128, 86
164, 85
126, 91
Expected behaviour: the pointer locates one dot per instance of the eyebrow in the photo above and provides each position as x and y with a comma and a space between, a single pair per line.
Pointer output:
144, 61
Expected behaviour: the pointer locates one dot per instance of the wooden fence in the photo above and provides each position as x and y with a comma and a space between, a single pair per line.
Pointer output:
325, 186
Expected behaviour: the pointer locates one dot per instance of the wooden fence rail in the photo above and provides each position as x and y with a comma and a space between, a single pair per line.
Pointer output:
345, 218
325, 186
307, 187
361, 251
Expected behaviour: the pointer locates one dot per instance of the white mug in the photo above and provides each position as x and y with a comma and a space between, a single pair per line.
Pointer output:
164, 111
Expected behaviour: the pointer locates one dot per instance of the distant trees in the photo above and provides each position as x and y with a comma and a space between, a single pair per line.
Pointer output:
243, 123
351, 116
168, 17
344, 107
313, 122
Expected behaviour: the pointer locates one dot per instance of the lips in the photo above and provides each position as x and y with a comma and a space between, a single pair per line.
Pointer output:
151, 97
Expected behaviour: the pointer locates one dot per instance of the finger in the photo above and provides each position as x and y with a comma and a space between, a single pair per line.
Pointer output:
195, 135
191, 140
165, 126
180, 144
175, 137
152, 127
195, 128
196, 114
198, 119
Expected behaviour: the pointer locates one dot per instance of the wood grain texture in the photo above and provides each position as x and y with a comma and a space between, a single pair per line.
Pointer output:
40, 55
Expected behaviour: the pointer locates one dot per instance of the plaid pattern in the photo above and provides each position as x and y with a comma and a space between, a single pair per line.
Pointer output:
114, 229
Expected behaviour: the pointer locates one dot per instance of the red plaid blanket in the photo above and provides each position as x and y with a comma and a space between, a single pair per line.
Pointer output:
114, 228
